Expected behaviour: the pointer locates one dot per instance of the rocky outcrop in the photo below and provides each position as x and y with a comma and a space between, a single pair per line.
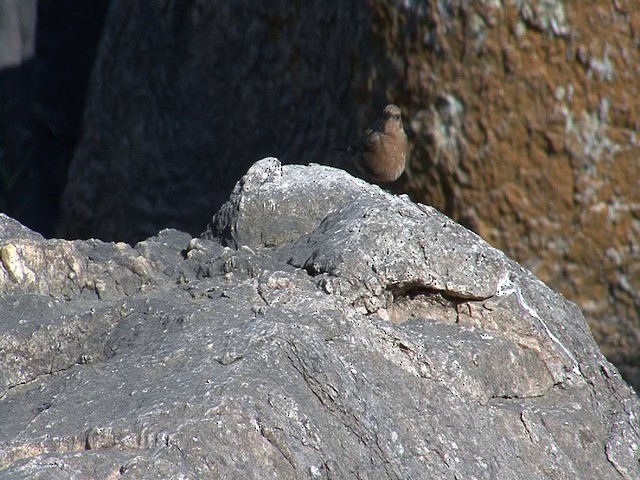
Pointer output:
529, 138
320, 328
522, 118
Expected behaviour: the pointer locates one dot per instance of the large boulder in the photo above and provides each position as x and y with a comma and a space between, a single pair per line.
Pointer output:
320, 328
522, 117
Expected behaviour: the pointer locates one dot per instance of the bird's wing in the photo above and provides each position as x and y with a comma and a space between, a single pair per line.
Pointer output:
371, 138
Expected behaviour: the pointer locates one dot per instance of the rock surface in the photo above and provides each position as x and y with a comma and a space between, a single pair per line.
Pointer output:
530, 139
522, 115
348, 333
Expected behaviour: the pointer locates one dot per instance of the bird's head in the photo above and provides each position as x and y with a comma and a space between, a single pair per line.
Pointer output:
392, 115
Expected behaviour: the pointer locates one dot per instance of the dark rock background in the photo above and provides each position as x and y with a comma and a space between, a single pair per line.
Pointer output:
47, 50
373, 339
523, 121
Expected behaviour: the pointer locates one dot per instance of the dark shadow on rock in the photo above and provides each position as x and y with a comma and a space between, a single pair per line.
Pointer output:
42, 104
186, 95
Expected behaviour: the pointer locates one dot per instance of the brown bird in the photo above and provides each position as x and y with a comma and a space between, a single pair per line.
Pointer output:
380, 154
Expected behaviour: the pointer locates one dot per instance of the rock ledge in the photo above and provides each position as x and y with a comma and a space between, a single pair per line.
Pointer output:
320, 328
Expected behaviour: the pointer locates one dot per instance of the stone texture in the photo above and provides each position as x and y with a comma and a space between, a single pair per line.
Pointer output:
528, 135
522, 115
176, 108
365, 337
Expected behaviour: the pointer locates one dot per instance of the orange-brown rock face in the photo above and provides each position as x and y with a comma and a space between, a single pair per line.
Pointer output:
525, 127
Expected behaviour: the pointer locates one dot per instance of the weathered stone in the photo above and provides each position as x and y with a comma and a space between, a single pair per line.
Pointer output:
12, 229
277, 359
253, 223
522, 117
524, 120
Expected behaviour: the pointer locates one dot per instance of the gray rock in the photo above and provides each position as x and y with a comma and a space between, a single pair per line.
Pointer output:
258, 223
12, 229
348, 333
264, 78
